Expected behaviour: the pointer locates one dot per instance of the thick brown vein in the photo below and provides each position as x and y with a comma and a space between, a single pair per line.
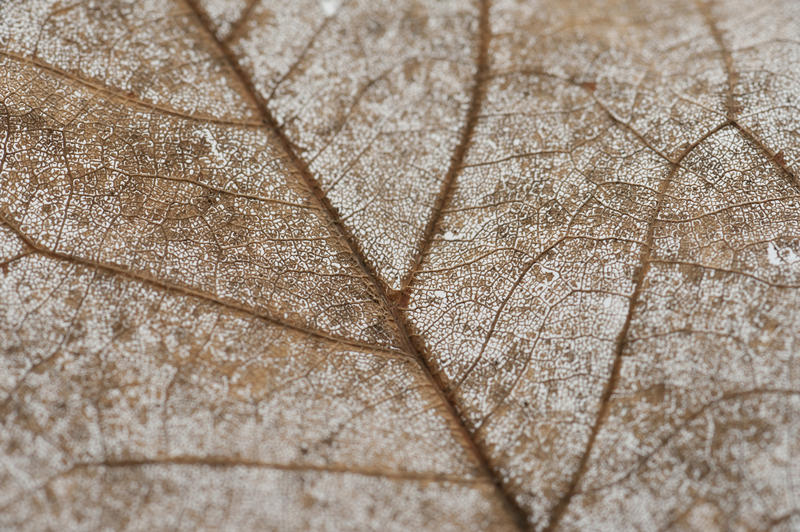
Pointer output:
459, 154
34, 247
381, 290
559, 509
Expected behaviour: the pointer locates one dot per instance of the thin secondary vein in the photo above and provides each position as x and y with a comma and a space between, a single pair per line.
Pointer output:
123, 96
223, 462
731, 105
238, 25
786, 172
35, 247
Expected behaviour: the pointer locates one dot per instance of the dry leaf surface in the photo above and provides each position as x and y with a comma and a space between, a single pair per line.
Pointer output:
399, 265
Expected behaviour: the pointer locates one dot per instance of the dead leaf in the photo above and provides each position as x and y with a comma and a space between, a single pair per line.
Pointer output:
399, 265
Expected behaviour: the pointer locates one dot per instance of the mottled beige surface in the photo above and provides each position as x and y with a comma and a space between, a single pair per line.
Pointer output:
343, 265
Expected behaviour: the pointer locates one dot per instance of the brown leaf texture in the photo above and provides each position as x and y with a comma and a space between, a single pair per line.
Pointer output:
339, 265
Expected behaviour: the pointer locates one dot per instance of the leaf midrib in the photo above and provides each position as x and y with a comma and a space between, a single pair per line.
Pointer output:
331, 213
